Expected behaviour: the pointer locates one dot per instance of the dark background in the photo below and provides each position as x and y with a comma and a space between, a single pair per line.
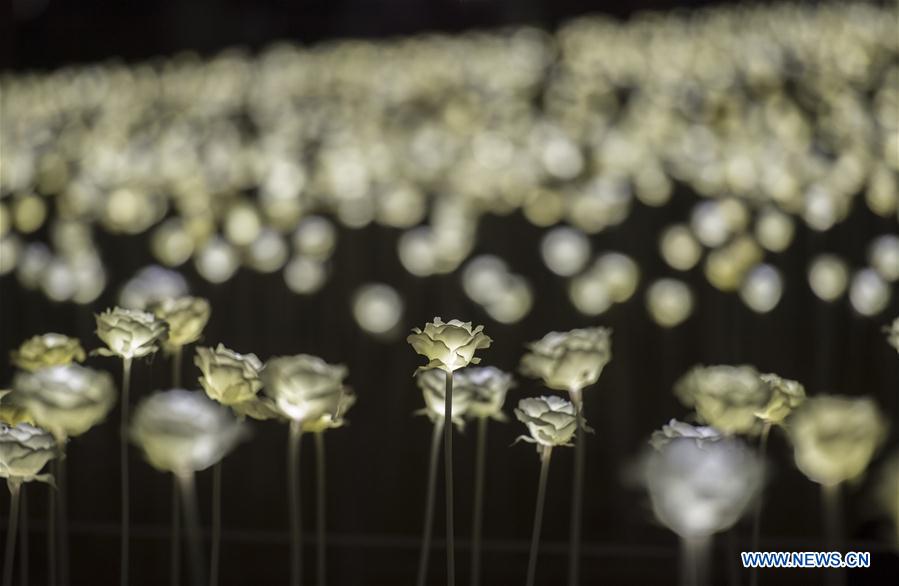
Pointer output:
376, 466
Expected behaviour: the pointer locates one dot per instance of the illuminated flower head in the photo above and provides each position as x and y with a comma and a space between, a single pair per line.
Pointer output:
569, 361
551, 420
433, 387
304, 387
47, 350
675, 429
448, 346
129, 333
786, 395
186, 317
24, 451
728, 398
487, 386
233, 379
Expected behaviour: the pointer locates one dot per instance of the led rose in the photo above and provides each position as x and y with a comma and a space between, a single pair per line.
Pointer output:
448, 346
835, 437
487, 387
183, 431
303, 387
24, 451
67, 400
892, 332
47, 350
551, 420
231, 378
129, 333
433, 387
726, 397
677, 429
699, 487
186, 317
786, 395
332, 420
568, 361
10, 413
151, 285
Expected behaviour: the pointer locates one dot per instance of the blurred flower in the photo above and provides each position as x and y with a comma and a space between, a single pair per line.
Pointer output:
129, 333
487, 386
448, 346
892, 332
184, 431
228, 377
834, 437
699, 487
551, 420
675, 429
726, 397
304, 387
569, 361
47, 350
786, 395
887, 491
10, 413
151, 285
24, 450
67, 399
186, 317
332, 420
433, 387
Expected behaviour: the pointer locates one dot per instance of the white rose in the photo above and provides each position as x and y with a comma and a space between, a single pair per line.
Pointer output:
551, 421
303, 387
448, 346
186, 317
433, 387
569, 361
24, 451
487, 386
129, 333
726, 397
47, 350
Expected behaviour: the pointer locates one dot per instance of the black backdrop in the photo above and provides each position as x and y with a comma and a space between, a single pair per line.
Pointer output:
376, 466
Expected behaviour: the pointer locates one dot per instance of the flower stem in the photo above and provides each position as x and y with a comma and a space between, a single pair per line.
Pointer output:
320, 504
192, 521
448, 474
293, 488
757, 513
429, 504
23, 531
477, 519
175, 551
833, 530
545, 454
176, 367
62, 512
11, 532
577, 492
123, 461
216, 524
694, 560
51, 537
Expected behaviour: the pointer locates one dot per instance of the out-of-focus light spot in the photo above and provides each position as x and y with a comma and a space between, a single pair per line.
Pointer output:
268, 252
726, 267
34, 261
90, 280
544, 207
304, 275
589, 293
151, 285
315, 237
828, 276
59, 282
216, 261
869, 293
513, 303
29, 213
5, 220
774, 229
377, 308
10, 247
417, 252
710, 224
565, 250
762, 289
679, 248
883, 254
172, 245
242, 224
620, 274
669, 302
483, 278
131, 211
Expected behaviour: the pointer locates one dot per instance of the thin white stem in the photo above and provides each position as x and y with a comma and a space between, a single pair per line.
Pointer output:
545, 455
192, 521
833, 530
23, 532
175, 551
293, 488
62, 512
176, 367
424, 556
216, 524
448, 474
8, 557
320, 506
757, 512
478, 515
51, 537
694, 561
577, 493
123, 462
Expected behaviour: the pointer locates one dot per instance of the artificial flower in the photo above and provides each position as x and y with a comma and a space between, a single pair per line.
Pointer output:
129, 333
186, 317
551, 420
24, 451
487, 387
725, 397
569, 361
448, 346
47, 350
304, 387
433, 387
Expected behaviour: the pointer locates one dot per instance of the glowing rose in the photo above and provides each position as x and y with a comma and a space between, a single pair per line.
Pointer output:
304, 387
699, 487
24, 451
332, 420
433, 387
183, 431
569, 361
487, 386
186, 318
726, 397
129, 333
675, 429
551, 421
67, 400
10, 413
448, 346
893, 334
834, 437
47, 350
786, 395
228, 377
